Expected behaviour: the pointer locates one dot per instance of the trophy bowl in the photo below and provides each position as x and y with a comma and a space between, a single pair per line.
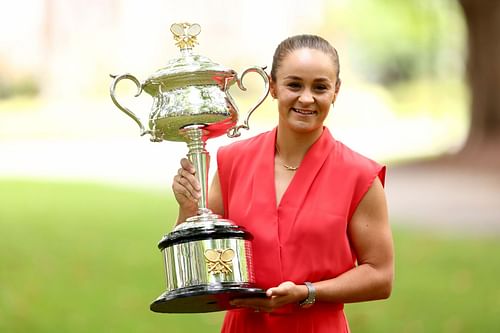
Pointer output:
207, 259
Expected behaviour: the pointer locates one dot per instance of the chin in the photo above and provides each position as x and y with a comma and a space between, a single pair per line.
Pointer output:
305, 128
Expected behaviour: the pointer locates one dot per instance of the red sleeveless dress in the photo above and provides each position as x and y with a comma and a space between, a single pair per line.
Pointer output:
304, 238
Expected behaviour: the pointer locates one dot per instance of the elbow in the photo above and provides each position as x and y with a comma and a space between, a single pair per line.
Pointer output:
385, 286
386, 289
381, 284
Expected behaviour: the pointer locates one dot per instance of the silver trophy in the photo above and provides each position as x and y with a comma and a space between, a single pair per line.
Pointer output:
208, 260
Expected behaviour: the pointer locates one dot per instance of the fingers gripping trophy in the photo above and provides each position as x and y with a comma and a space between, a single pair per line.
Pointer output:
208, 260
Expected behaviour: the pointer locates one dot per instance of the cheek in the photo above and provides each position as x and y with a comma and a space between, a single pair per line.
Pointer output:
285, 96
282, 106
325, 106
328, 100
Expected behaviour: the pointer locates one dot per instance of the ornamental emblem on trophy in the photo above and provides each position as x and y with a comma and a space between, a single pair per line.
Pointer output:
219, 261
207, 259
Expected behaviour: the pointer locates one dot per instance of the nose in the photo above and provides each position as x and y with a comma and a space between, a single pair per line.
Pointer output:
306, 97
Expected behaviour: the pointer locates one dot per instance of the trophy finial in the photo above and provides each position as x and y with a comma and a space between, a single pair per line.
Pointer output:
185, 34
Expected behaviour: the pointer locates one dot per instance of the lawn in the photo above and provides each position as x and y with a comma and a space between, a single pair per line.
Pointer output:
82, 258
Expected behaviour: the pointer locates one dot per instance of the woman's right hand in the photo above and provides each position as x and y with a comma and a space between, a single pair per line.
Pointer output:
186, 188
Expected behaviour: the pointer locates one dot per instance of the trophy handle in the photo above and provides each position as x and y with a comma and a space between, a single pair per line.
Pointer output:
234, 131
118, 78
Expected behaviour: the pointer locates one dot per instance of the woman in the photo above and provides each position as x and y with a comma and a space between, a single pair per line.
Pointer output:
317, 210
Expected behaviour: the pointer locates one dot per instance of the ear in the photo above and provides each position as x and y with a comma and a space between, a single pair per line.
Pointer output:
337, 85
272, 88
337, 88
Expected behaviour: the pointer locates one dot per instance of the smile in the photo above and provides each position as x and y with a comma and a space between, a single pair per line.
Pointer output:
304, 112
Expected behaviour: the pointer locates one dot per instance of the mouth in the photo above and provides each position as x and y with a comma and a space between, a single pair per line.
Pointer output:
304, 112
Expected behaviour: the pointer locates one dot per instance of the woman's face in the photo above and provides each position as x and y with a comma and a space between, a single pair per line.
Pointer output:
305, 87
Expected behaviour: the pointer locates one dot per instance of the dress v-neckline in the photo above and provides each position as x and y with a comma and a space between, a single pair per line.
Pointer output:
277, 201
305, 174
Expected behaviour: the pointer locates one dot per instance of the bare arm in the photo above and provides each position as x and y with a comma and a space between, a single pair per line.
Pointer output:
371, 238
371, 279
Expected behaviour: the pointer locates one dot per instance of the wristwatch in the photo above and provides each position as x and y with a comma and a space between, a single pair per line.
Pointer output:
311, 296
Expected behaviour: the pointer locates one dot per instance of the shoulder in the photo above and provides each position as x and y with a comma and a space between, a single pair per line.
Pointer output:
358, 163
359, 171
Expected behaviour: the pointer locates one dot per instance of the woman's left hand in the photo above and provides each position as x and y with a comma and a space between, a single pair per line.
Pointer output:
287, 292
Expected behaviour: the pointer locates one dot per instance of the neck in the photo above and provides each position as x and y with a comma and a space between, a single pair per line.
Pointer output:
293, 146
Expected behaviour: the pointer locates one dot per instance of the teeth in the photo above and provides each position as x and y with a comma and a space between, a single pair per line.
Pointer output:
304, 111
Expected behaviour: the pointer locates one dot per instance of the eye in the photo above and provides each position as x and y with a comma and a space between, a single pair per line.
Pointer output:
294, 85
321, 87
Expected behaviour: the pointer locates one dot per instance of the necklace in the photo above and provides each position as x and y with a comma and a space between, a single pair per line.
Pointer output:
288, 167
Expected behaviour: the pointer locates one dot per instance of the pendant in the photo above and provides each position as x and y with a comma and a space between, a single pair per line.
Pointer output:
290, 168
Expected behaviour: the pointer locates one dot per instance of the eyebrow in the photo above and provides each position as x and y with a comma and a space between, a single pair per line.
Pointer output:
320, 79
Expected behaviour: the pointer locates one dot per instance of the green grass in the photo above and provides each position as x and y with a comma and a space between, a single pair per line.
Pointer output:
443, 284
83, 258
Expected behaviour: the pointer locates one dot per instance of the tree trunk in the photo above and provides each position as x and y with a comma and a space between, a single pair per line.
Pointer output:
483, 70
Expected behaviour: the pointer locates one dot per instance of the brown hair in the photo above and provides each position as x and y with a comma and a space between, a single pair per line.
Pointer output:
300, 42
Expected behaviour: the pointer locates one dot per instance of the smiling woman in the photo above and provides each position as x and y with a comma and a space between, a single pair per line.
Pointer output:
306, 86
317, 209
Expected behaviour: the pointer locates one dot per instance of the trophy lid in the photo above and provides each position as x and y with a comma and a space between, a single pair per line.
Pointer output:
188, 69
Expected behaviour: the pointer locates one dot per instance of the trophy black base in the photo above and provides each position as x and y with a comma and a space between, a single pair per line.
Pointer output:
204, 298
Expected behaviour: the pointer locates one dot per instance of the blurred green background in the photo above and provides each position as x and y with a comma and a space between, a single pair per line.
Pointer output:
84, 199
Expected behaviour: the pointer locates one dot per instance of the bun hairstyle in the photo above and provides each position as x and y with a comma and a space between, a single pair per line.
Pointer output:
303, 42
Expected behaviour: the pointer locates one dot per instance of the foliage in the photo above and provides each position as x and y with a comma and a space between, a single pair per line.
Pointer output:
83, 258
394, 41
26, 86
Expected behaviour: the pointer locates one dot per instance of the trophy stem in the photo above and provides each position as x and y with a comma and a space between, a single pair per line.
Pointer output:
200, 158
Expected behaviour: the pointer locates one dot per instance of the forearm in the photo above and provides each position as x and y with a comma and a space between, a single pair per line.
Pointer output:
362, 283
184, 214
